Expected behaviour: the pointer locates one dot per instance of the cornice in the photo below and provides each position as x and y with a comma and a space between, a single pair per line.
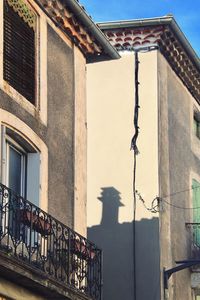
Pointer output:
132, 37
66, 20
180, 62
72, 19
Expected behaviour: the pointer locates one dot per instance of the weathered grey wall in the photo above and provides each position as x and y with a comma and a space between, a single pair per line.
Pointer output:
59, 134
178, 164
60, 86
8, 104
57, 128
80, 144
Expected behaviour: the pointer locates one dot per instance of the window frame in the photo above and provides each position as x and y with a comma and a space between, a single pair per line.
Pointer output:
30, 164
10, 143
9, 86
196, 203
40, 107
20, 128
196, 124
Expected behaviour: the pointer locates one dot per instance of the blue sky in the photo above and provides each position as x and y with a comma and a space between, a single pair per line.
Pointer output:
186, 13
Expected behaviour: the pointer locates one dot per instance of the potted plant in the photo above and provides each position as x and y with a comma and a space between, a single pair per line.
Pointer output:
38, 223
79, 248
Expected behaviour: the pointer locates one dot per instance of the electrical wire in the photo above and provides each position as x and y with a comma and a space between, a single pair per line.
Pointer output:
179, 192
181, 207
136, 110
134, 226
136, 152
135, 149
155, 208
176, 193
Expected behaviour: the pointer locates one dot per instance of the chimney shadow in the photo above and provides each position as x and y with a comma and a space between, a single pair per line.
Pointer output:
116, 241
110, 198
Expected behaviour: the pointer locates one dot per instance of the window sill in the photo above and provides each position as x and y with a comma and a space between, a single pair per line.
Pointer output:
24, 103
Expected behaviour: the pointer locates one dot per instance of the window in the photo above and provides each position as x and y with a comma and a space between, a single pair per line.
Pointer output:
21, 173
21, 162
19, 68
196, 124
16, 167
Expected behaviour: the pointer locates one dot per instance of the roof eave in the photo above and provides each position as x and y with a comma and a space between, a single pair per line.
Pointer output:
78, 10
166, 20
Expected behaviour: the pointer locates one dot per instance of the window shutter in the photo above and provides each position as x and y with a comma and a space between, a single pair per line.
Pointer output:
196, 213
33, 178
19, 53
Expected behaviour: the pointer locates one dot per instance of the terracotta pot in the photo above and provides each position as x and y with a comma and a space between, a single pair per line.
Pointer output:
38, 224
81, 250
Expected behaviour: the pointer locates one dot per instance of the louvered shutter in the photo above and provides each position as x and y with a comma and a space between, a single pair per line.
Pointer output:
19, 53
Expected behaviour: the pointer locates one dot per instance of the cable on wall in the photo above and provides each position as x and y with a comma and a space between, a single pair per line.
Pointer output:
155, 204
180, 207
136, 152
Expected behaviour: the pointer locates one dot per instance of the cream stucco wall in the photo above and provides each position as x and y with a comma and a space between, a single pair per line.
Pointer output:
110, 114
110, 128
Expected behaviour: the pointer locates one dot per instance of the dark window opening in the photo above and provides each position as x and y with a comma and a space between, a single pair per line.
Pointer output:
196, 124
19, 53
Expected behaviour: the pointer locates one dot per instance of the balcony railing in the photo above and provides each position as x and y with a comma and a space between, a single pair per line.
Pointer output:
29, 234
194, 229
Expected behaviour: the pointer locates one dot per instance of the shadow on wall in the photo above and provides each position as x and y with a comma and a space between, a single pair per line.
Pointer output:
116, 240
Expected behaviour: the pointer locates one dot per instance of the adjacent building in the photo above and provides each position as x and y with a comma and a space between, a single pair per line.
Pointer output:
145, 216
44, 48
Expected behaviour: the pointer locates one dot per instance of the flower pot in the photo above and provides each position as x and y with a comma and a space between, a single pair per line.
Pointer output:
81, 250
38, 223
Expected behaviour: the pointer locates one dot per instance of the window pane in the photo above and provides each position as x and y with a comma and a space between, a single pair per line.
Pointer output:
15, 170
33, 177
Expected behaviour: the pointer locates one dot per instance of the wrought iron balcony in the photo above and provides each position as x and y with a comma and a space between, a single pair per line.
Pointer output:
194, 239
30, 235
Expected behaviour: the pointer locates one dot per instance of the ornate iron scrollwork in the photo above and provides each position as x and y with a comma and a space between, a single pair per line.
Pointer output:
24, 11
30, 235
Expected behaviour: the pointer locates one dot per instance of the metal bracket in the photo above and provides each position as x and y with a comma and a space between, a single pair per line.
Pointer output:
184, 264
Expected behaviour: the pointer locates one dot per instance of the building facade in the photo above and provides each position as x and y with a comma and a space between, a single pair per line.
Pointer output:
146, 222
44, 48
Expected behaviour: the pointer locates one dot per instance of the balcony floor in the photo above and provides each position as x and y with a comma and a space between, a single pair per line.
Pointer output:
35, 280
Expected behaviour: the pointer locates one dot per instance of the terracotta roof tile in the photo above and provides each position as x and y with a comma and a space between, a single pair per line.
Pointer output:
168, 45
